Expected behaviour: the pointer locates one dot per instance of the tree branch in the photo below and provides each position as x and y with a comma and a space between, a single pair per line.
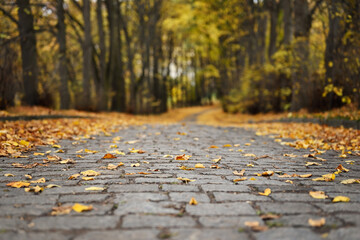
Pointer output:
317, 4
9, 16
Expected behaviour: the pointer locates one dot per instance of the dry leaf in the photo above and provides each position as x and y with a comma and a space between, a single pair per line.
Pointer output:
28, 176
19, 184
38, 154
199, 165
62, 210
249, 155
266, 192
317, 223
217, 160
56, 146
193, 201
350, 181
213, 146
341, 199
267, 173
312, 163
327, 177
81, 208
52, 186
108, 156
186, 168
341, 168
185, 180
68, 161
255, 226
318, 194
215, 166
144, 173
36, 189
9, 175
227, 145
239, 179
269, 216
75, 176
168, 156
53, 158
135, 165
90, 151
289, 181
241, 173
290, 155
90, 173
94, 189
182, 157
305, 175
40, 180
87, 178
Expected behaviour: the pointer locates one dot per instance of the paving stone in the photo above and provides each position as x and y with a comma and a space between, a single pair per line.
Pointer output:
225, 209
143, 207
209, 234
138, 221
28, 199
179, 188
233, 197
129, 197
350, 218
301, 220
75, 222
29, 210
35, 236
228, 221
340, 207
186, 196
225, 188
12, 224
134, 188
83, 198
120, 235
287, 207
288, 234
351, 233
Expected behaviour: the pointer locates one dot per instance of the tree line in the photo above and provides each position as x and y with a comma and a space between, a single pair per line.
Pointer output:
144, 56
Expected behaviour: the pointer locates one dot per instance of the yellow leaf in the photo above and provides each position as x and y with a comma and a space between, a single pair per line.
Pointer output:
87, 178
199, 165
217, 160
90, 173
290, 155
59, 151
52, 186
327, 177
255, 226
144, 173
227, 145
80, 151
250, 165
252, 179
241, 173
118, 152
94, 189
29, 177
312, 163
68, 161
236, 145
305, 175
266, 192
135, 165
176, 139
108, 156
240, 179
186, 168
91, 151
341, 199
40, 180
56, 146
24, 143
267, 173
81, 208
9, 175
289, 181
350, 181
182, 157
317, 223
185, 180
193, 201
247, 144
18, 184
39, 154
36, 189
75, 176
249, 155
318, 194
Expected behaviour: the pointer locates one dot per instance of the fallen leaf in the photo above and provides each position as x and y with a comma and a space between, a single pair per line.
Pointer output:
56, 146
59, 151
250, 165
241, 173
19, 184
217, 160
186, 168
255, 226
168, 156
90, 151
289, 181
87, 178
144, 173
266, 192
199, 165
317, 223
38, 154
130, 173
285, 175
77, 207
79, 156
135, 165
36, 189
318, 194
227, 145
249, 155
213, 146
118, 152
312, 163
267, 173
108, 156
90, 173
111, 166
40, 180
185, 180
52, 186
94, 189
239, 179
305, 175
146, 162
350, 181
24, 143
68, 161
341, 199
176, 139
214, 166
247, 144
62, 210
290, 155
193, 201
270, 216
9, 175
341, 168
182, 157
327, 177
75, 176
29, 177
53, 158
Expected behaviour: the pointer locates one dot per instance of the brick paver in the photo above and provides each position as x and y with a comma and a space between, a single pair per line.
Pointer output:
155, 206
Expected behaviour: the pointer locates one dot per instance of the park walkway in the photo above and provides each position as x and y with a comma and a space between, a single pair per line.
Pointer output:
148, 196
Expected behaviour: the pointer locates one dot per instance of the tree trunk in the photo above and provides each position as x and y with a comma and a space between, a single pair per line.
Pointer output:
87, 55
63, 71
102, 90
273, 8
286, 7
28, 53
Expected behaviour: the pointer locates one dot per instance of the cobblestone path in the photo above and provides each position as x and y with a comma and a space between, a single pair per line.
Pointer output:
134, 205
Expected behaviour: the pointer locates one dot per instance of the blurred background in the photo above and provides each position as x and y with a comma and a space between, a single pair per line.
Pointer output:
147, 56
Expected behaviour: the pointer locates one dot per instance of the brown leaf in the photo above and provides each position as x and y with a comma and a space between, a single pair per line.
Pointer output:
108, 156
317, 223
267, 173
19, 184
62, 210
241, 173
